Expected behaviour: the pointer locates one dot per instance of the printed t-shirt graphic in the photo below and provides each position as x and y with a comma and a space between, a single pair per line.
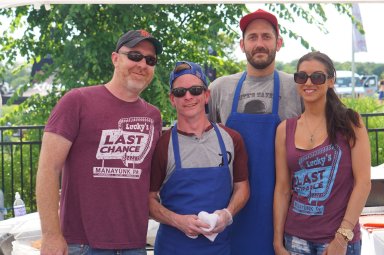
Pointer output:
130, 142
314, 181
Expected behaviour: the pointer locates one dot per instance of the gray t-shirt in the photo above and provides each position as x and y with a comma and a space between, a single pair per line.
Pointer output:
255, 97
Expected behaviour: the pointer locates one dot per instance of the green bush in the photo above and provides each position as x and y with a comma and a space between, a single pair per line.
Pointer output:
371, 105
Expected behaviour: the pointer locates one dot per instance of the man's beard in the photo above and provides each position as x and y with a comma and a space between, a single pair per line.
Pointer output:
260, 64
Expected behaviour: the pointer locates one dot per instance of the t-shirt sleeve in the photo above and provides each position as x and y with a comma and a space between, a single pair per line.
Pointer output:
159, 162
240, 161
65, 116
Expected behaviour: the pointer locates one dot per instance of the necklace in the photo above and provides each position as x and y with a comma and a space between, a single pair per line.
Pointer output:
312, 133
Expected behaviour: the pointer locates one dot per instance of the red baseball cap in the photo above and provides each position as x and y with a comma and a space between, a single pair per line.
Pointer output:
259, 14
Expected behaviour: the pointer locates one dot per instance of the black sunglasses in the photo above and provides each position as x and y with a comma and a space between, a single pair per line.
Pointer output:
316, 78
137, 57
194, 90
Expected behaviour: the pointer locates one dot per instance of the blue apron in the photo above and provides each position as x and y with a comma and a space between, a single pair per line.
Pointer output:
252, 229
189, 191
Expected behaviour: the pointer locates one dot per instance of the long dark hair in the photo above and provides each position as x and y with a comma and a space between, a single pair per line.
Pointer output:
339, 118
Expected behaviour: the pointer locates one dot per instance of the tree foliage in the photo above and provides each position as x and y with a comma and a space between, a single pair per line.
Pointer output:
80, 39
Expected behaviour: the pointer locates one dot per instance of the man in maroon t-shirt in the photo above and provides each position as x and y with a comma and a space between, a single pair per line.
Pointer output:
100, 140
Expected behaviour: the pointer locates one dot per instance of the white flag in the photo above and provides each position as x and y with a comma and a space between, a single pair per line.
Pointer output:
359, 44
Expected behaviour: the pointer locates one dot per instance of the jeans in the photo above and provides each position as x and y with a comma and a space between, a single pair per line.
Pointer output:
297, 246
82, 249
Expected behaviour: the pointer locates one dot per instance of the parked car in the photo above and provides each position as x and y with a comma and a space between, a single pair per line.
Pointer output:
365, 85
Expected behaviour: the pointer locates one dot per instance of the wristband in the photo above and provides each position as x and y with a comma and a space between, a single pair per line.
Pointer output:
230, 216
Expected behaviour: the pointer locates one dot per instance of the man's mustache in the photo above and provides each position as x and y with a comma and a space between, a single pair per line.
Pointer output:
260, 50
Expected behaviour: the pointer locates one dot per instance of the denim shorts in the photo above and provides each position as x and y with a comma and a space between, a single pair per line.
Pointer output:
297, 246
82, 249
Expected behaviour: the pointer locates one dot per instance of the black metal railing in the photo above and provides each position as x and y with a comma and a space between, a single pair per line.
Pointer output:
20, 148
370, 116
376, 135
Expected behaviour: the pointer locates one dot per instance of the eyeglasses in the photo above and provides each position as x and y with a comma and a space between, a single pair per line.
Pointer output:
316, 78
137, 57
194, 90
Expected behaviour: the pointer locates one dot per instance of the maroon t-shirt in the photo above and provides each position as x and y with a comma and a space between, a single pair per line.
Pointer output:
105, 180
322, 183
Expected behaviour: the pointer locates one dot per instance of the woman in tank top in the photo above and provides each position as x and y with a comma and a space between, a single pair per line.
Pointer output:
323, 165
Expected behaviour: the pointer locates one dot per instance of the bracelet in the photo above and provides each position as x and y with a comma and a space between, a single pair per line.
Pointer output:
230, 216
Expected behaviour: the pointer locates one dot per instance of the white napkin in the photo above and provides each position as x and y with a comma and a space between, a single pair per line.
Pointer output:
211, 220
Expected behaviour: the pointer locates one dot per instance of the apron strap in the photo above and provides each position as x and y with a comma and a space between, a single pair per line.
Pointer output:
176, 150
222, 145
276, 92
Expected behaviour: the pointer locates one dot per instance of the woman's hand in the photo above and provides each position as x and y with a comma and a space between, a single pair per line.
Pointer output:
280, 250
338, 246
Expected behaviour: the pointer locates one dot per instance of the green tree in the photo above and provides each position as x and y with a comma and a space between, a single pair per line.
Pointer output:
16, 74
80, 39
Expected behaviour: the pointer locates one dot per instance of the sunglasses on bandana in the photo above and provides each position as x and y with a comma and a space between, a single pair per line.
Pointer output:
194, 90
316, 78
137, 57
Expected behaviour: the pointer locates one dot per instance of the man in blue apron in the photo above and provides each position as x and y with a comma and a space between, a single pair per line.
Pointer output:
198, 166
253, 103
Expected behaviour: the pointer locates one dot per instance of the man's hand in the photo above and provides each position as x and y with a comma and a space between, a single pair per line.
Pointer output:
53, 245
225, 219
190, 225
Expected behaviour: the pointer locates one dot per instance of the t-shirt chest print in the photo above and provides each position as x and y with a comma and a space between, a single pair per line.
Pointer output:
314, 180
131, 142
256, 102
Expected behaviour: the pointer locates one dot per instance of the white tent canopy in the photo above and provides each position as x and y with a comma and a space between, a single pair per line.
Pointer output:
47, 3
